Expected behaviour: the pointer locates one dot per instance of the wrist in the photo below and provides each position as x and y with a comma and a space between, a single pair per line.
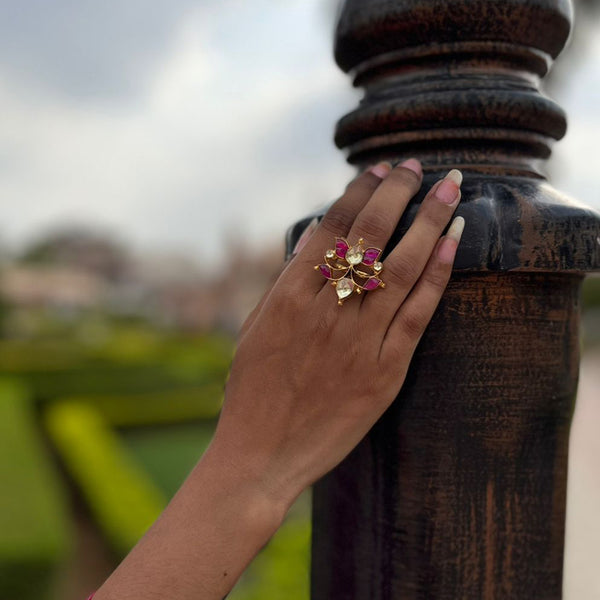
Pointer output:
213, 527
243, 480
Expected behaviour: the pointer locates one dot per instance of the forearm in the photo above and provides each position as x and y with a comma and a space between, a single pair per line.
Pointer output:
213, 527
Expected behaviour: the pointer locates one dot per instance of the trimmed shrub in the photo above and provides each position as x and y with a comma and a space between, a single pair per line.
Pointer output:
105, 380
121, 496
156, 408
59, 368
35, 537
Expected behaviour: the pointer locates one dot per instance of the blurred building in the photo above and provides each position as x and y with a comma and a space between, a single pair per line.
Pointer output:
78, 272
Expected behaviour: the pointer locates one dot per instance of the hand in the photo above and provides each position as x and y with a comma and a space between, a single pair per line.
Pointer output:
308, 381
309, 377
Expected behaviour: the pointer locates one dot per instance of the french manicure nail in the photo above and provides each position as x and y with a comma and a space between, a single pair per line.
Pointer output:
456, 229
305, 236
414, 165
381, 170
449, 243
448, 191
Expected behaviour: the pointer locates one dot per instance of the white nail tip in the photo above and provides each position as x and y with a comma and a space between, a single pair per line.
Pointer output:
456, 228
456, 176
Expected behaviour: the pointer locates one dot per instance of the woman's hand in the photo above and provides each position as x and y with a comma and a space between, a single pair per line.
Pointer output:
308, 381
309, 377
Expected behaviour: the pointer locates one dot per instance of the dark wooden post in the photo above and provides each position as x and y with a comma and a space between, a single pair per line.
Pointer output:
458, 492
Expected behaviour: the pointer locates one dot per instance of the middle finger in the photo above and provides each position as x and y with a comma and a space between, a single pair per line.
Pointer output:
378, 219
405, 263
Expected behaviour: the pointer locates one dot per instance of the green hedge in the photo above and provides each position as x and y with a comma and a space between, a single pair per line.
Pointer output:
35, 536
109, 379
157, 408
121, 496
123, 365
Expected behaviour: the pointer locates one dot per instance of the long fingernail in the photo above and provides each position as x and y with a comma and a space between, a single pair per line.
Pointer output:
414, 165
305, 236
381, 170
448, 191
449, 243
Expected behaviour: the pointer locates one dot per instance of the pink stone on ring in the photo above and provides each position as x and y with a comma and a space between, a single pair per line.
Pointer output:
345, 267
341, 247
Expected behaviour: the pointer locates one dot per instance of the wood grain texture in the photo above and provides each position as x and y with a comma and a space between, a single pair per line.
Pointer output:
458, 492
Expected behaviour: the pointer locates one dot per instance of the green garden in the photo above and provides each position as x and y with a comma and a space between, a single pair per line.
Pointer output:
106, 419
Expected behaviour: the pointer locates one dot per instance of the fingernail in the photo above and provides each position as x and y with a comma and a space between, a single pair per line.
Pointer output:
449, 243
381, 170
414, 165
305, 236
448, 191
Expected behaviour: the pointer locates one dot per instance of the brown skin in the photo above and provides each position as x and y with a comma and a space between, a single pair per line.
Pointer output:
308, 380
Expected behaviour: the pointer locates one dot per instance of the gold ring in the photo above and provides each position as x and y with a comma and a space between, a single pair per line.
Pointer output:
344, 266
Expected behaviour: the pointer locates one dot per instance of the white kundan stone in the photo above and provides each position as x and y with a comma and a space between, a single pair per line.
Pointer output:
354, 256
344, 288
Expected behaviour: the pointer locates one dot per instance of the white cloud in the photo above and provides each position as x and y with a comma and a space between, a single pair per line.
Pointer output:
229, 130
192, 157
574, 168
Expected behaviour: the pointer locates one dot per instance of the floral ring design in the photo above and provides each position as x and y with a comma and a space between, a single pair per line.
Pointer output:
352, 268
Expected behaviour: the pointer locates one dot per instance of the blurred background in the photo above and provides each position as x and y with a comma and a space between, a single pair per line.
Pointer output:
151, 158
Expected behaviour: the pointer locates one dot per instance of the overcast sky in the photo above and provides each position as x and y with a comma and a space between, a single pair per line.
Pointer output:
181, 124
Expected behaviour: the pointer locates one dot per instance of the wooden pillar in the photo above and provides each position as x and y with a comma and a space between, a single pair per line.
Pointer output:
458, 492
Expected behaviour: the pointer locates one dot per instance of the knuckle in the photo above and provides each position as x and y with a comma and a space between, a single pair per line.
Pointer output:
354, 353
321, 324
278, 304
403, 270
397, 353
338, 220
373, 225
286, 300
436, 277
414, 323
432, 213
363, 185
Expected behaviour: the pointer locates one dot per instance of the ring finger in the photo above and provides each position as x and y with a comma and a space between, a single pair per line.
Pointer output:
378, 219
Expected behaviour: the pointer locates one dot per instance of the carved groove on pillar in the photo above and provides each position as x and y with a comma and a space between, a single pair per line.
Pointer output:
456, 83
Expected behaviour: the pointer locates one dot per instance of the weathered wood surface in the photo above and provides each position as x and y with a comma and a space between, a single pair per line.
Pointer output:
459, 490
